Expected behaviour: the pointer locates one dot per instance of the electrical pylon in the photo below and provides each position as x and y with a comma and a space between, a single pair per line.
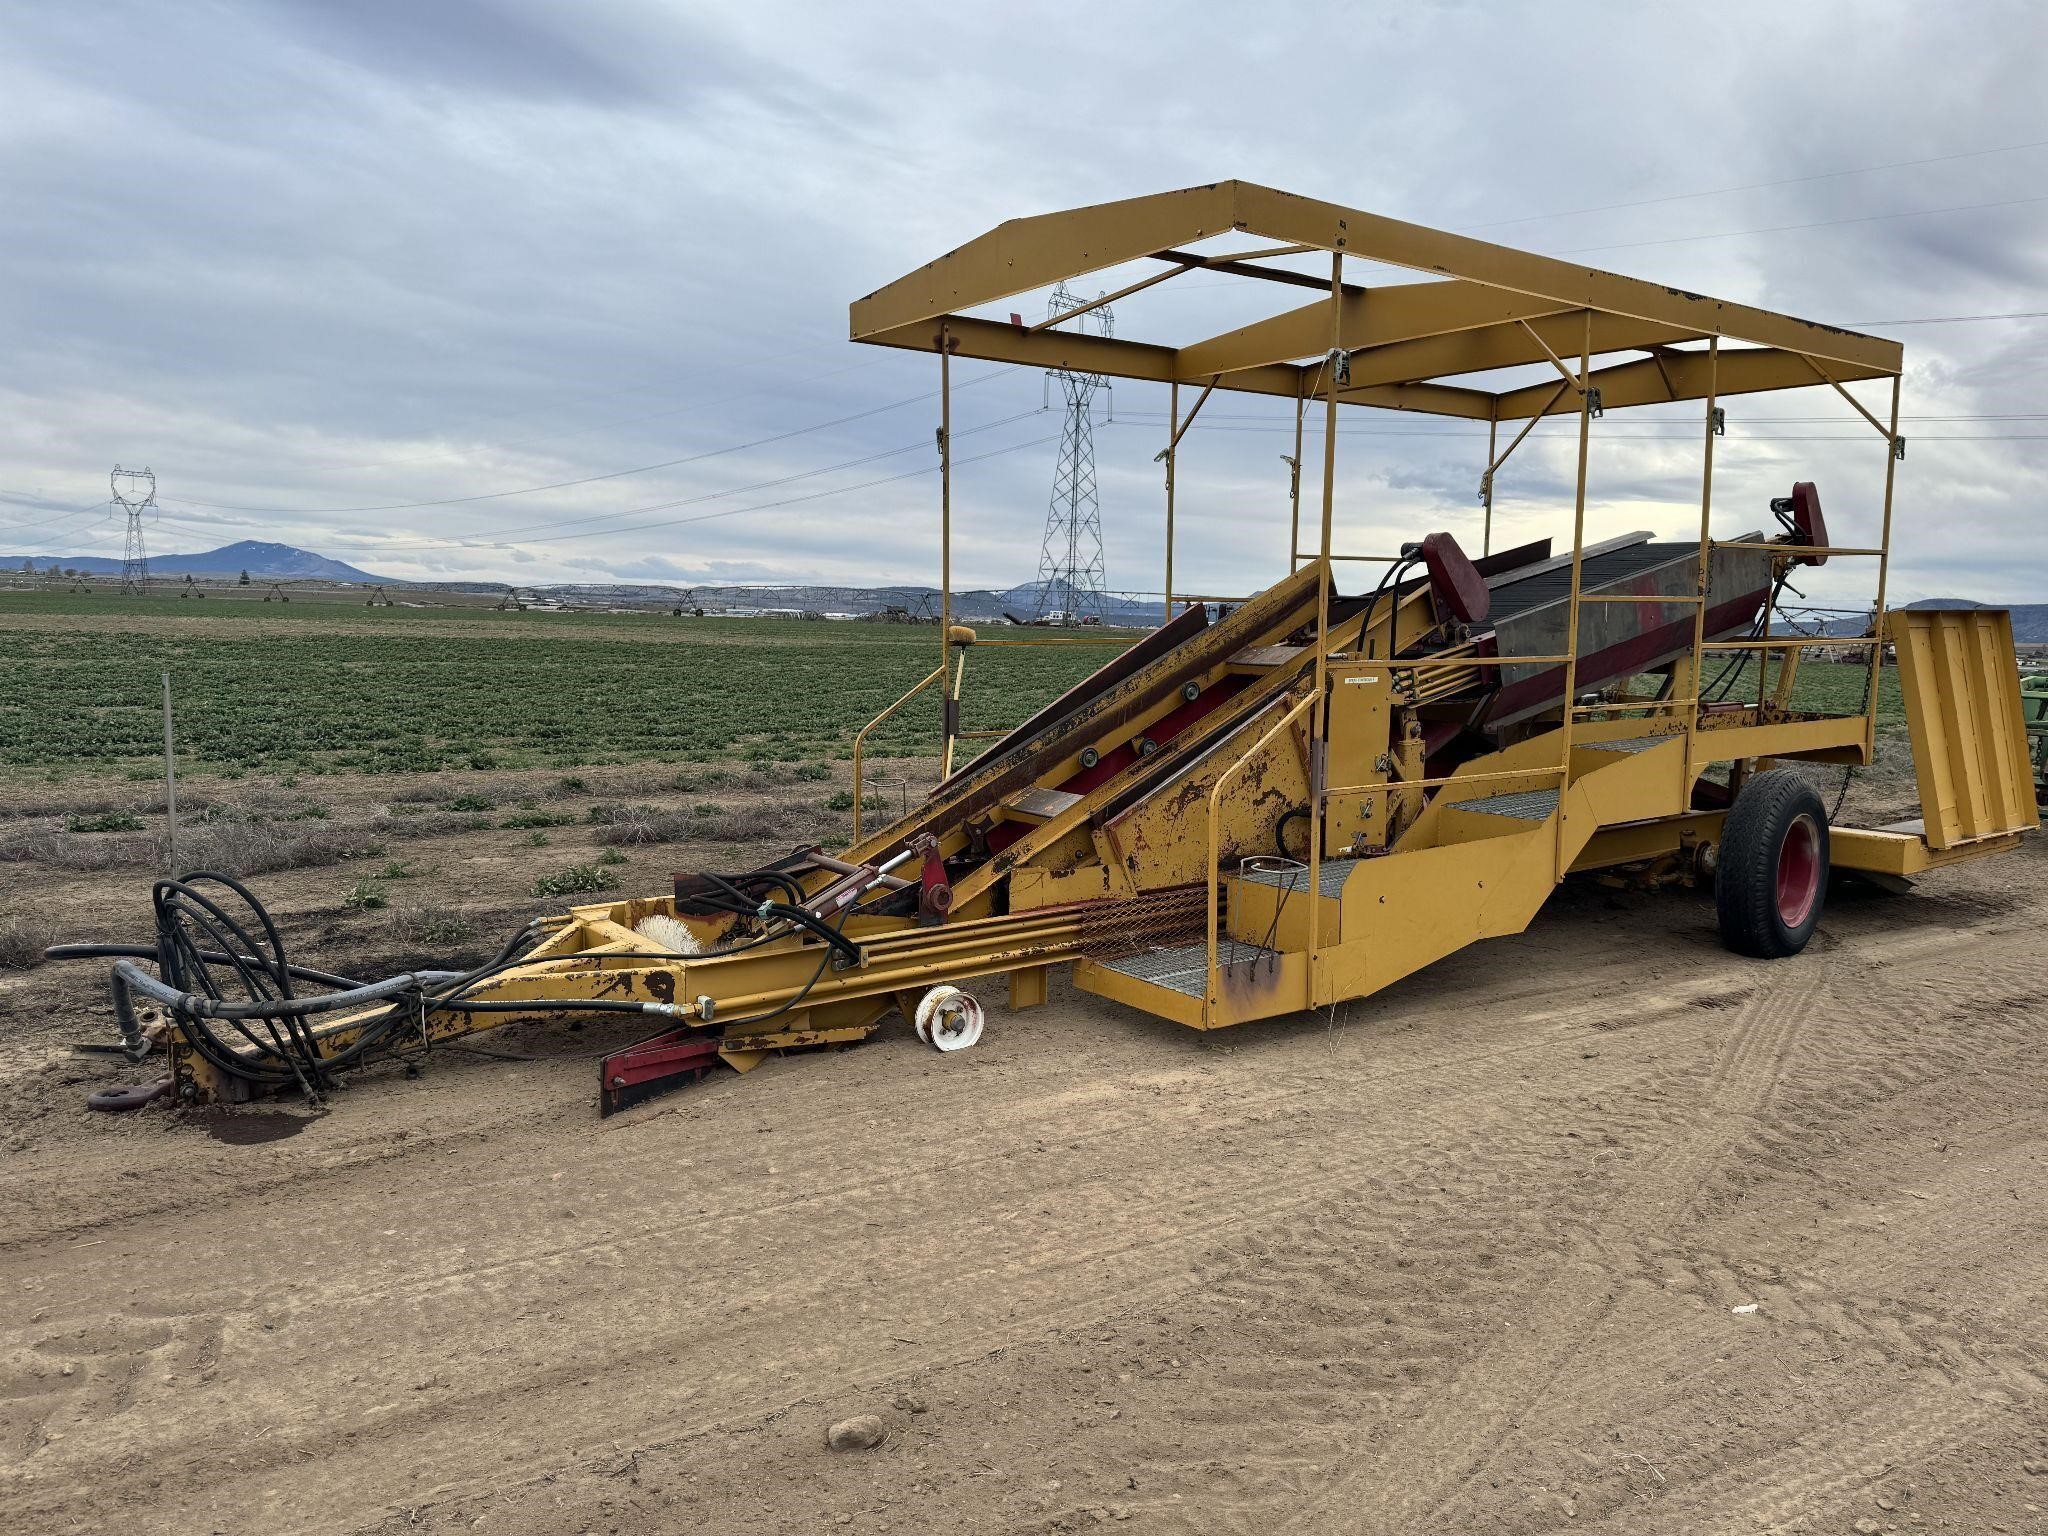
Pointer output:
1070, 571
135, 494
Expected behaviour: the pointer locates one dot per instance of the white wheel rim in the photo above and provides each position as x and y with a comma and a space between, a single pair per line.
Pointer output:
949, 1019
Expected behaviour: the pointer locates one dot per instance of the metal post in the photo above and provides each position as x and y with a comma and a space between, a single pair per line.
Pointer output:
1704, 578
952, 708
1486, 485
1316, 778
1172, 451
1884, 560
946, 710
1294, 481
170, 784
1571, 630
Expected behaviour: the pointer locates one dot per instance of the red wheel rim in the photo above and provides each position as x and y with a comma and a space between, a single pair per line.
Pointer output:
1798, 872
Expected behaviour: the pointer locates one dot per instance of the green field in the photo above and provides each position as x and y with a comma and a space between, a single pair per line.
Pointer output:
332, 687
1821, 687
327, 687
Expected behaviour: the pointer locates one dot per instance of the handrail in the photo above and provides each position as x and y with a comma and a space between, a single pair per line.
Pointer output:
860, 740
1791, 642
1215, 801
1492, 776
1404, 663
1049, 640
1822, 550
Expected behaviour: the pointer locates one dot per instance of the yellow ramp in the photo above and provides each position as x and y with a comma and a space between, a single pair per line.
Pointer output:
1961, 684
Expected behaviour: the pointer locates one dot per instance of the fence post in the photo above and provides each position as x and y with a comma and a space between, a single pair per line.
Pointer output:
170, 784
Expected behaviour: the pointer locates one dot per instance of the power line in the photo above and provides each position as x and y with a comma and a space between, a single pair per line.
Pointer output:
1779, 229
2018, 314
621, 421
1674, 435
1757, 186
562, 485
742, 490
705, 517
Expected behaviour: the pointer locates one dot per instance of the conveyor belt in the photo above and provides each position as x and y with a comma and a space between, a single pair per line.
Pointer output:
1515, 596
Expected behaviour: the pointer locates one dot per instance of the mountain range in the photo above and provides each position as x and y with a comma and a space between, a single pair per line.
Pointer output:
272, 562
285, 562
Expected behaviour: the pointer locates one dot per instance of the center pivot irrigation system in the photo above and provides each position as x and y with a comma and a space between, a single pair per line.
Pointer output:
1306, 795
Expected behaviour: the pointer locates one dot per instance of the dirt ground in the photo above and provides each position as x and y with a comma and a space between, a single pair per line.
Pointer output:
1596, 1229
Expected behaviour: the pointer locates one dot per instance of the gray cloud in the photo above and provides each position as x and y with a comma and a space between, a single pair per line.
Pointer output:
307, 258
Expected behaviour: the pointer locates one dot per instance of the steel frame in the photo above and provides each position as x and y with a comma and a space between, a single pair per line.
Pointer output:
1397, 347
1406, 346
1490, 308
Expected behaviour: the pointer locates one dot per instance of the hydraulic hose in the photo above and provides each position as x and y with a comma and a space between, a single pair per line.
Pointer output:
219, 966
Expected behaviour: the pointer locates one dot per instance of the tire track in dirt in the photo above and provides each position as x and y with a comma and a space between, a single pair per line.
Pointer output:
1447, 1445
1266, 1165
1746, 1086
1748, 1075
817, 1100
1167, 1222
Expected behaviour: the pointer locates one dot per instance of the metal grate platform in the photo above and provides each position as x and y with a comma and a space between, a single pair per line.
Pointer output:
1184, 968
1629, 744
1334, 873
1528, 805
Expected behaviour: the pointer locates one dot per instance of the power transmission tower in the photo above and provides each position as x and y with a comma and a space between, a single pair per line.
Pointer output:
1070, 561
134, 493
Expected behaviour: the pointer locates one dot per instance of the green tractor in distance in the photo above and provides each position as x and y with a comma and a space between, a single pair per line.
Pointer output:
2034, 701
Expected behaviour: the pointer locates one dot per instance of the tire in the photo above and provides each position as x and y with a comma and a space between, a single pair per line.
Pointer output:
1771, 877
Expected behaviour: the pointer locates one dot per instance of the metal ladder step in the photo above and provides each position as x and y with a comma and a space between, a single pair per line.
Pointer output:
1184, 967
1526, 805
1630, 744
1331, 879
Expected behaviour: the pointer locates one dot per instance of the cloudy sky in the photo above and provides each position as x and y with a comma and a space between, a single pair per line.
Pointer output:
376, 277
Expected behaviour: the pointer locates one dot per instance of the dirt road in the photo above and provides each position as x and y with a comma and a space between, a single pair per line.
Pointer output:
1597, 1229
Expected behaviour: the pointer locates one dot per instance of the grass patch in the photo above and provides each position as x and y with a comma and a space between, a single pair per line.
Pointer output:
417, 924
366, 895
521, 821
23, 940
106, 821
576, 880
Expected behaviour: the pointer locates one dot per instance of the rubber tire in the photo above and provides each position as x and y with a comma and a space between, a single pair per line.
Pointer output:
1746, 872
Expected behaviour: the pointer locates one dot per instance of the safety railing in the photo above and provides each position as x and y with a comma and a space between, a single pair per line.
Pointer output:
1560, 770
861, 737
1237, 766
958, 683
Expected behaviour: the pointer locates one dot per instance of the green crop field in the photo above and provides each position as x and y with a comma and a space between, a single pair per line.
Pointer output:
1822, 687
331, 688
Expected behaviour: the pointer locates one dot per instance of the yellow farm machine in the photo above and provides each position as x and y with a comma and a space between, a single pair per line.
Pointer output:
1279, 803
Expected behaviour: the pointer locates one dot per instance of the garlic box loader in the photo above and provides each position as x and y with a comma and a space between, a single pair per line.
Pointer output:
1279, 802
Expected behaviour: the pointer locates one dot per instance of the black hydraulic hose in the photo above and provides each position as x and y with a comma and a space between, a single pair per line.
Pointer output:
1280, 828
563, 1005
1725, 680
824, 930
91, 951
197, 933
178, 909
1391, 573
203, 1006
166, 891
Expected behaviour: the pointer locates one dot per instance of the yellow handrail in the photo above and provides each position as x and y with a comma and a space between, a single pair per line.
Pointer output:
1215, 803
860, 740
